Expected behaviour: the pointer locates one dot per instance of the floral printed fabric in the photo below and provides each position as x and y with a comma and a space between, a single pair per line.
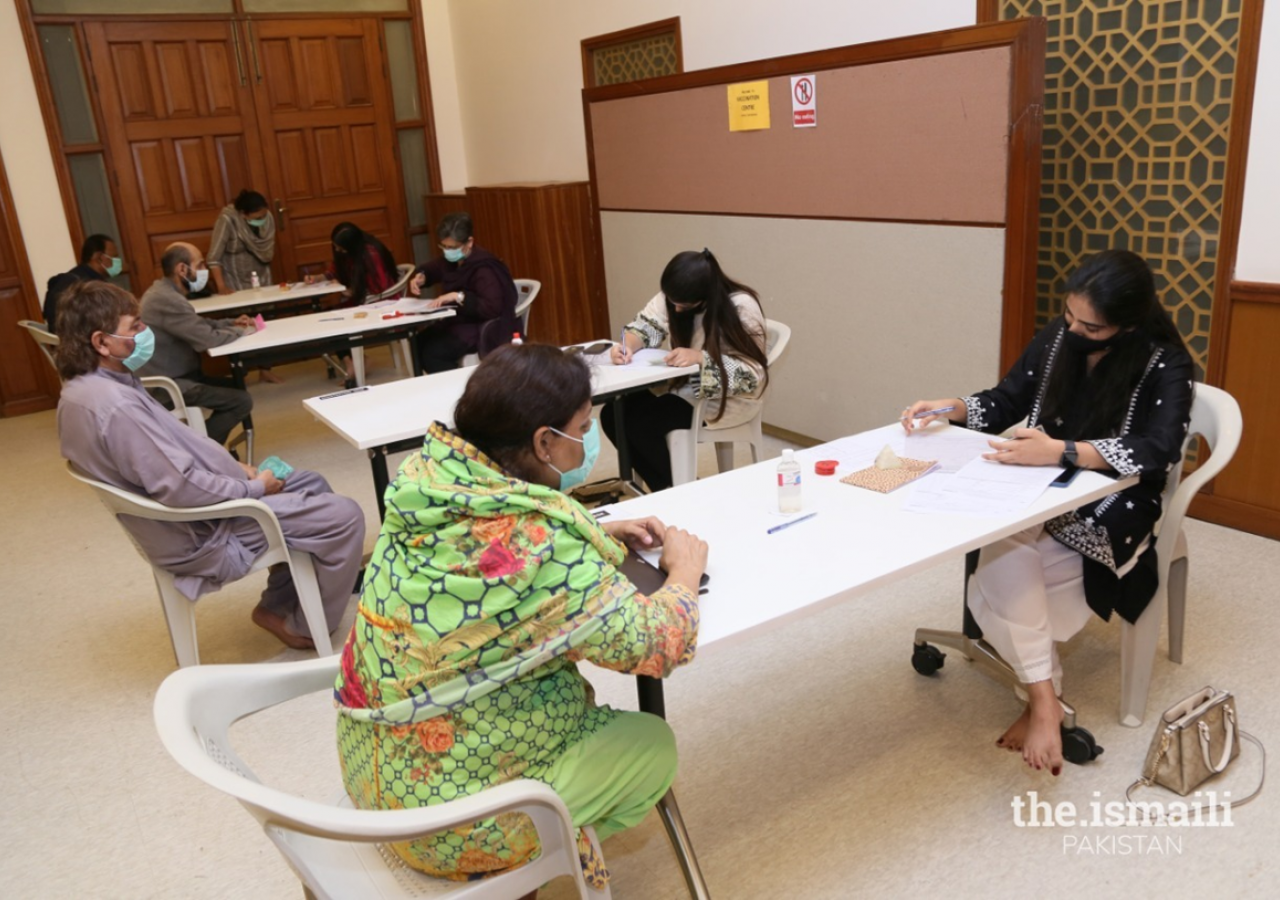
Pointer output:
482, 593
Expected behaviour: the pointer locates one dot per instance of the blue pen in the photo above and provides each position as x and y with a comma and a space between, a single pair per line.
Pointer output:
934, 412
623, 342
776, 528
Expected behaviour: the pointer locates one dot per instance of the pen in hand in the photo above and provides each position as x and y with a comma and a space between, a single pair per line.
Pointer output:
923, 414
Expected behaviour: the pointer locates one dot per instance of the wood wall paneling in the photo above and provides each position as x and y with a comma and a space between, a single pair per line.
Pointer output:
546, 231
1247, 493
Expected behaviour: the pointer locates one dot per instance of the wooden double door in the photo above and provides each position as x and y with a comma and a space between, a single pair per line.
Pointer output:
296, 109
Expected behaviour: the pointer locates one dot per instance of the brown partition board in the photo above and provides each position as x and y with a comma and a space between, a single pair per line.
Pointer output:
942, 127
909, 140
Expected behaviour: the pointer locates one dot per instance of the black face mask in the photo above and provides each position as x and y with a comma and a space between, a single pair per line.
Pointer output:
1081, 344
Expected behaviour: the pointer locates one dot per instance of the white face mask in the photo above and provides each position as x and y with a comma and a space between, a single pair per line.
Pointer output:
201, 279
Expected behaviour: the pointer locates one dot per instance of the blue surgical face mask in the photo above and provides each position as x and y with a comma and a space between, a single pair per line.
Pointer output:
201, 279
115, 266
454, 254
257, 223
144, 345
590, 453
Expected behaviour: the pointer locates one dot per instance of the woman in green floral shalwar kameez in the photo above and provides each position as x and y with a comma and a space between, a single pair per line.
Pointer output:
486, 587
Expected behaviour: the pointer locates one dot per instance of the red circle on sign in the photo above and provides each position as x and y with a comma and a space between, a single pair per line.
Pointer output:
804, 91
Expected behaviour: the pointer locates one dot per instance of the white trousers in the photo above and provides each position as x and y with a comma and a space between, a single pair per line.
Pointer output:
1028, 595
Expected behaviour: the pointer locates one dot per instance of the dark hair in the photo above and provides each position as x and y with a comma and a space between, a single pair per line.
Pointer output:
92, 246
88, 307
248, 201
351, 267
517, 389
693, 278
174, 255
1120, 287
455, 226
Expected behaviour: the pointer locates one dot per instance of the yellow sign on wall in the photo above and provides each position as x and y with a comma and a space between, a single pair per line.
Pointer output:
749, 106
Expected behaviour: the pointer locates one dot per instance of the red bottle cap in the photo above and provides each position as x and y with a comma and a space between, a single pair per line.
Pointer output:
825, 466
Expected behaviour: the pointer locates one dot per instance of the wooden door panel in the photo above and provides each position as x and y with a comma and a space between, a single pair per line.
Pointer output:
326, 111
152, 173
133, 82
176, 83
195, 175
180, 129
221, 77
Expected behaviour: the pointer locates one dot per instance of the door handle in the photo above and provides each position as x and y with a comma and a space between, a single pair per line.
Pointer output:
253, 47
280, 211
235, 42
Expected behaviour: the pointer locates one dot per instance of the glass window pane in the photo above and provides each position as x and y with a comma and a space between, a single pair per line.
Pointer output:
66, 78
413, 162
127, 7
423, 248
404, 71
93, 195
294, 6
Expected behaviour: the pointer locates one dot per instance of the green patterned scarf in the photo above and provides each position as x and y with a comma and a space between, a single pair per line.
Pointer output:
477, 579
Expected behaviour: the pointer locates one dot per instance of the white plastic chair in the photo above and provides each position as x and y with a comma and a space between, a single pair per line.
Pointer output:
48, 344
1215, 416
337, 851
526, 292
180, 612
682, 444
357, 353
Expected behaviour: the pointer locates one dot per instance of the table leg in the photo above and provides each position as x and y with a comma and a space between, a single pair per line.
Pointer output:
649, 691
237, 380
620, 429
378, 463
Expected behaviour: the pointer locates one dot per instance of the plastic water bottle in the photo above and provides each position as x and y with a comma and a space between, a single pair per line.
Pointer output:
788, 483
254, 281
516, 339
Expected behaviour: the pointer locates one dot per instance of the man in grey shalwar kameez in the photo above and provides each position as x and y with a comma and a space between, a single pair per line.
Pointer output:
111, 428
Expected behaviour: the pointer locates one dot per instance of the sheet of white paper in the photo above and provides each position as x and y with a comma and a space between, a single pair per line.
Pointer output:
650, 356
981, 488
951, 446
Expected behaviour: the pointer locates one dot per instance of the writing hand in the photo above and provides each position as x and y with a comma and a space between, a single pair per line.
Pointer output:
416, 283
620, 354
911, 423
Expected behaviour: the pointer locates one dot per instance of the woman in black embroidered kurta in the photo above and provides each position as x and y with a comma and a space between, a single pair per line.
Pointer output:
1112, 373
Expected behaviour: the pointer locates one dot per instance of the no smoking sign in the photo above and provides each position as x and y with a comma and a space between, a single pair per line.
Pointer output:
804, 101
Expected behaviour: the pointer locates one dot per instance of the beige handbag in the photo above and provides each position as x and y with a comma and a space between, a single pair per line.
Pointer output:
1195, 740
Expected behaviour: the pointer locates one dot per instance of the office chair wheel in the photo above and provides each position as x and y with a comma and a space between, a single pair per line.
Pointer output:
927, 659
1079, 747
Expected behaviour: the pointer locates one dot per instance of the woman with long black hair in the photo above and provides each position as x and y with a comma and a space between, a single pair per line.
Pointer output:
708, 320
1107, 386
362, 263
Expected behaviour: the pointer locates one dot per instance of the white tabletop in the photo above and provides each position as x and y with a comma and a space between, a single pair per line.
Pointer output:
858, 541
389, 413
321, 326
267, 295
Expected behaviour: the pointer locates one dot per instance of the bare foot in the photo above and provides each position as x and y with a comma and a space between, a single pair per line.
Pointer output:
268, 376
1016, 735
274, 623
1042, 747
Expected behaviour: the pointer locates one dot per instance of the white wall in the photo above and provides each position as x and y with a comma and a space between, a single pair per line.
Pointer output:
1258, 258
437, 25
520, 64
27, 161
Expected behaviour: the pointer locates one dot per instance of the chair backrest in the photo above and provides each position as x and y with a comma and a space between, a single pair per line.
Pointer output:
191, 415
196, 706
405, 270
45, 339
1215, 416
776, 338
527, 291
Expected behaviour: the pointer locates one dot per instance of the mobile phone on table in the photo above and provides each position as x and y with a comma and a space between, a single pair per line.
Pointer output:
1068, 475
646, 576
277, 467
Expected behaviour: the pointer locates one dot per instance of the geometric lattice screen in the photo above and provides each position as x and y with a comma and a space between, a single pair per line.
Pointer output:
1136, 120
646, 57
